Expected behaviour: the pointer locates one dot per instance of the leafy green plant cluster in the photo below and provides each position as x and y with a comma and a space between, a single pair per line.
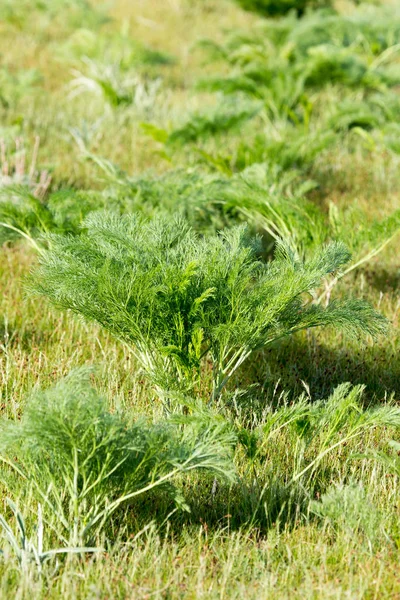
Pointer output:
266, 197
302, 224
83, 463
225, 117
23, 214
315, 80
188, 192
279, 487
316, 429
176, 298
286, 63
292, 451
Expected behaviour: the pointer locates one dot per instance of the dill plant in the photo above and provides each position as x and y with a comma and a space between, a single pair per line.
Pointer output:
349, 511
303, 225
83, 463
22, 214
287, 64
221, 119
176, 298
189, 192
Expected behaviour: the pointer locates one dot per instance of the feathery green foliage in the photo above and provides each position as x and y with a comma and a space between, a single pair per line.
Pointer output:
289, 66
187, 192
318, 428
176, 298
283, 63
302, 224
23, 214
83, 463
309, 514
310, 434
348, 510
223, 118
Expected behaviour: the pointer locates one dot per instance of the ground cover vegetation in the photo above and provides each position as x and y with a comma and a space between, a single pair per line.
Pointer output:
199, 231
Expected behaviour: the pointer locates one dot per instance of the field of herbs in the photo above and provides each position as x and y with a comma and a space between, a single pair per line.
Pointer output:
199, 308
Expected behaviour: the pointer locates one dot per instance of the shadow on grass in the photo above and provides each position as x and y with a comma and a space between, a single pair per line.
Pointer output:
217, 506
383, 280
303, 362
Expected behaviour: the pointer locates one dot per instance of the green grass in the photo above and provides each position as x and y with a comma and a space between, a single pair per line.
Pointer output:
263, 536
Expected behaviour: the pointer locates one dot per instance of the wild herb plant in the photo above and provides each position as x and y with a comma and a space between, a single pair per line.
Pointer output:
369, 30
83, 463
317, 428
287, 78
288, 66
314, 437
302, 224
266, 195
223, 118
176, 298
316, 441
187, 192
342, 40
348, 510
341, 135
24, 215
